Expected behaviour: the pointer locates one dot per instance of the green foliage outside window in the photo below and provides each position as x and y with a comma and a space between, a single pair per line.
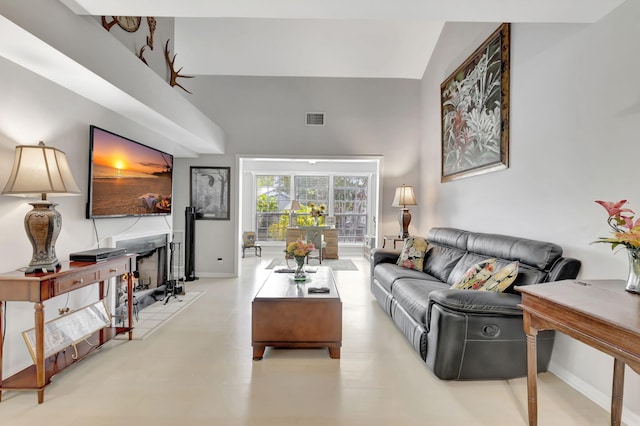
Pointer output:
267, 203
346, 198
277, 230
304, 217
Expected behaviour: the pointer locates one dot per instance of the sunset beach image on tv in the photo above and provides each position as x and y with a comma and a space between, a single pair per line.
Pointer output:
127, 178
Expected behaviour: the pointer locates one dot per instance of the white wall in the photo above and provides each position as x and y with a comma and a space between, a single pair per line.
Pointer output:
575, 120
265, 116
33, 109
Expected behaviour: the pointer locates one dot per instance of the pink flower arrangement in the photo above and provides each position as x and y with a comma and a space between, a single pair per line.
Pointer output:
299, 248
626, 231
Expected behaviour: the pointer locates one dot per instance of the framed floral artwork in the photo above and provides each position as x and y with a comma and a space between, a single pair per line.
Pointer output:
210, 192
474, 105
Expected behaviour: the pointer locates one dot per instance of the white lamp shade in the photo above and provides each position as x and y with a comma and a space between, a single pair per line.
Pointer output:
39, 169
404, 197
293, 205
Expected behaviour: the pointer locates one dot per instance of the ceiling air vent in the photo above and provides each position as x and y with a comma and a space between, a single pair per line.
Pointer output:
315, 119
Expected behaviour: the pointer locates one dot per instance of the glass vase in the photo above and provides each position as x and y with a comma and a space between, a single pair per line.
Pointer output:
299, 267
633, 280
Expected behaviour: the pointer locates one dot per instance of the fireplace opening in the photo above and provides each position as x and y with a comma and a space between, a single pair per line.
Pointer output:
150, 275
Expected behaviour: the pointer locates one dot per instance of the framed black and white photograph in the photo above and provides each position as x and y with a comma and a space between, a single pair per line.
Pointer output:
210, 192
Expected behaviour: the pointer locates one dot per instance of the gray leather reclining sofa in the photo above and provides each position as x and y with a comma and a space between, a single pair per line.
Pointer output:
467, 334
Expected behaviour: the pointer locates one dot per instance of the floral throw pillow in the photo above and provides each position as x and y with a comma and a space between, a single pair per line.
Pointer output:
501, 280
476, 276
412, 255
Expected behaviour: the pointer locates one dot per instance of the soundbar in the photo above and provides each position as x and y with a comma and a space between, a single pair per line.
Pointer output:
97, 255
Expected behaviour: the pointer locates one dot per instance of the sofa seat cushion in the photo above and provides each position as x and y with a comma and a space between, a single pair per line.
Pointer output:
388, 273
478, 302
413, 296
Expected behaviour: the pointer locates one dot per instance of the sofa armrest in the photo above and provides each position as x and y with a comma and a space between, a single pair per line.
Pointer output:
566, 268
380, 255
477, 302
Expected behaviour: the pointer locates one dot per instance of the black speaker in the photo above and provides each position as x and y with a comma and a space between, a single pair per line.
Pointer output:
190, 244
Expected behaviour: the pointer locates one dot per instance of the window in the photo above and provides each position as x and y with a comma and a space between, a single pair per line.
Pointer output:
345, 197
273, 195
350, 207
312, 189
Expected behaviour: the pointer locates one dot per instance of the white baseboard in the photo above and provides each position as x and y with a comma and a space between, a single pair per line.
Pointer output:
595, 395
215, 274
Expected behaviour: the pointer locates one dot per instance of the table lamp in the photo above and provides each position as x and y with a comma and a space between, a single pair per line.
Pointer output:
292, 206
404, 197
40, 169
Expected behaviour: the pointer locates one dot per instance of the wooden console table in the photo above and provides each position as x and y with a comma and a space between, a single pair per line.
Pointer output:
599, 313
37, 288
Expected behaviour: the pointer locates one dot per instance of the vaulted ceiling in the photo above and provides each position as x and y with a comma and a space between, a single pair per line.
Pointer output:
303, 38
328, 38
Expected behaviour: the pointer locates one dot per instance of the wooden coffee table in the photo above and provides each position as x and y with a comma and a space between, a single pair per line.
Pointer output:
286, 315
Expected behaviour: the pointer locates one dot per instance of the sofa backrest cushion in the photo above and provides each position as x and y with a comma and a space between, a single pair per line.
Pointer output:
446, 248
453, 251
439, 261
539, 254
450, 237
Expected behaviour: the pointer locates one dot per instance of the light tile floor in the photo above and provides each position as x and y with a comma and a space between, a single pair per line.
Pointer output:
153, 316
197, 370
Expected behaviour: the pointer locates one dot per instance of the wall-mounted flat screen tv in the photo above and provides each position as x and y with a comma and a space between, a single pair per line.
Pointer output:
127, 178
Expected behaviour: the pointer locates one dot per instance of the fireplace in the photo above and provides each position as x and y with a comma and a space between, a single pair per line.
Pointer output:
152, 262
150, 272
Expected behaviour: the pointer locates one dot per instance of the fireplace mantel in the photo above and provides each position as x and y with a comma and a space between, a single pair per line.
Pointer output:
113, 241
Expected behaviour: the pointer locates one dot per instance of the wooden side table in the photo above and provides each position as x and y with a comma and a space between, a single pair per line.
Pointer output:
599, 313
390, 238
37, 288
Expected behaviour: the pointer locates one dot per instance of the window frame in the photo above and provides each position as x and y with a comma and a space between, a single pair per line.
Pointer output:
354, 240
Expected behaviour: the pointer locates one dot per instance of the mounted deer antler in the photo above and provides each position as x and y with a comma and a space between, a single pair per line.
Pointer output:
174, 74
107, 25
141, 55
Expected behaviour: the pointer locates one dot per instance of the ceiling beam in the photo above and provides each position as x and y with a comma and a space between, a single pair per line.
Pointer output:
47, 43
